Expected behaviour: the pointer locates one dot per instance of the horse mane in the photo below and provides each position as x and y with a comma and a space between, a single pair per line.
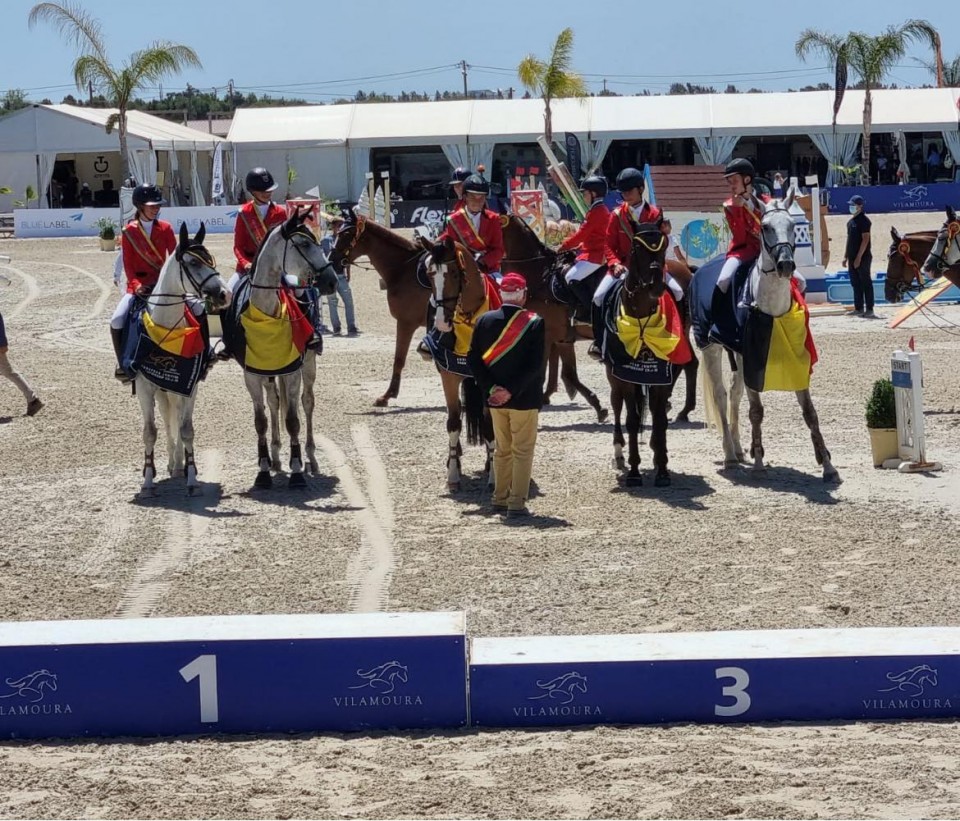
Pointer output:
256, 256
526, 229
387, 235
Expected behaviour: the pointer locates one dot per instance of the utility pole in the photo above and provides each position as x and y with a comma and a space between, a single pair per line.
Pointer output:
90, 90
604, 85
463, 70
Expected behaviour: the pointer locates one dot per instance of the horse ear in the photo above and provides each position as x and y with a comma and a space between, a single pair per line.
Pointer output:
951, 214
895, 234
198, 239
790, 198
289, 226
184, 235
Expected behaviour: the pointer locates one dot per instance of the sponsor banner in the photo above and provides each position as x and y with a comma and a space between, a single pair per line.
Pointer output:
660, 689
237, 674
880, 199
82, 222
415, 213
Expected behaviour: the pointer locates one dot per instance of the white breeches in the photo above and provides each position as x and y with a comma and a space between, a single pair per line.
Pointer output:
729, 270
581, 269
607, 283
119, 318
673, 285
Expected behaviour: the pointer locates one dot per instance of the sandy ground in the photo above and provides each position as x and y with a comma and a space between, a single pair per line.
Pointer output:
716, 551
879, 234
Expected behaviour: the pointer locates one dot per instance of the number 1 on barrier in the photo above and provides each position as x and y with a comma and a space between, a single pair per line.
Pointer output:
737, 691
205, 667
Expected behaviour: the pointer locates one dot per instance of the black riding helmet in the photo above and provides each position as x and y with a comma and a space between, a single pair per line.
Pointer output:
259, 179
630, 178
147, 195
595, 184
740, 166
459, 175
475, 184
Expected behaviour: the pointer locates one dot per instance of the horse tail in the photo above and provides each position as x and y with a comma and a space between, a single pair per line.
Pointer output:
711, 413
473, 407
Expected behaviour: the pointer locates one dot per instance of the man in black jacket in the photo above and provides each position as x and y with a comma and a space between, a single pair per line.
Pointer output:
507, 359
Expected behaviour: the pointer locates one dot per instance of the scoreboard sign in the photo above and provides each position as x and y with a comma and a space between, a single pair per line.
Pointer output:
232, 674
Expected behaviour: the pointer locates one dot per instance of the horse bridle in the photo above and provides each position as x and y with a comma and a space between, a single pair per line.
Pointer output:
639, 240
200, 253
288, 236
775, 249
950, 234
902, 247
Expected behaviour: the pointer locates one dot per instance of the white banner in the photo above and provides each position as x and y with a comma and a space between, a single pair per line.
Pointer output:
216, 184
82, 222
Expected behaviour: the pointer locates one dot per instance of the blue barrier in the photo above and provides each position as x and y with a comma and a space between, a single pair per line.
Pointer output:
764, 675
232, 674
840, 290
882, 199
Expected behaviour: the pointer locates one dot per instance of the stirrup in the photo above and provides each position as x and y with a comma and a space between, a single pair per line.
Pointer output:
424, 351
594, 352
122, 376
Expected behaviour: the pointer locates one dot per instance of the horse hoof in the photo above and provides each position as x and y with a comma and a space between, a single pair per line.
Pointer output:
178, 473
619, 463
453, 487
682, 418
634, 481
264, 480
546, 401
297, 481
832, 478
314, 467
193, 490
602, 415
662, 480
380, 402
148, 492
730, 464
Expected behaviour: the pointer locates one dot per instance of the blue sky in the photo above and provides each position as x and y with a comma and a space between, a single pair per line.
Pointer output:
319, 52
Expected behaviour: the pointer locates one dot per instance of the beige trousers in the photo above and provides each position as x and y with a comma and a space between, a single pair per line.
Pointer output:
515, 432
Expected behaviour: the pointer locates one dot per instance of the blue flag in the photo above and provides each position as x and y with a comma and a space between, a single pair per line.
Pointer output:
574, 156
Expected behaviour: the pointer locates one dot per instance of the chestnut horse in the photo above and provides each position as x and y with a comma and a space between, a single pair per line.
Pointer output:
908, 252
395, 258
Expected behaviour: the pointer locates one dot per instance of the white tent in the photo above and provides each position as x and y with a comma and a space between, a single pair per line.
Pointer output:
330, 145
31, 139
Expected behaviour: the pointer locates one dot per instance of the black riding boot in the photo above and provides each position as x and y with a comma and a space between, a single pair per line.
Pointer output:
595, 351
204, 322
119, 372
423, 349
584, 294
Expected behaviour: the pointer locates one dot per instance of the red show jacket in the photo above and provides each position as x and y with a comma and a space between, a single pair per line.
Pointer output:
591, 237
744, 227
143, 256
249, 230
622, 227
488, 242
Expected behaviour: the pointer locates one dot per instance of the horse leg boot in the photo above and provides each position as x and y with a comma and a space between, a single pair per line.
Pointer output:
116, 334
595, 351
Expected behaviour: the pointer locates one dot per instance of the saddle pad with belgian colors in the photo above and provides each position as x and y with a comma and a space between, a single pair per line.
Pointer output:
173, 359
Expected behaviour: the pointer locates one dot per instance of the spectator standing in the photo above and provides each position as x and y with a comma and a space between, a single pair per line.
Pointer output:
345, 293
858, 258
507, 359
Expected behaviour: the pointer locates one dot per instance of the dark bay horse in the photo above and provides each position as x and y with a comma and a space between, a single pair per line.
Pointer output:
460, 291
395, 258
640, 298
905, 260
527, 255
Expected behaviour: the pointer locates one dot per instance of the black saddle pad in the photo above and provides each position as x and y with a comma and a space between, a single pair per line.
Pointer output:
647, 370
444, 358
717, 317
560, 290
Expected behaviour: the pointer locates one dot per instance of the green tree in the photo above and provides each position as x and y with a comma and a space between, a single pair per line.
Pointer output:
870, 57
552, 79
14, 99
119, 83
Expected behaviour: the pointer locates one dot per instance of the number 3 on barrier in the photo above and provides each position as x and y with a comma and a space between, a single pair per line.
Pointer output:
737, 691
205, 667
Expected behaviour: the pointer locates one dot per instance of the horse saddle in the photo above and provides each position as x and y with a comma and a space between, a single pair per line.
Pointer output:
566, 294
719, 317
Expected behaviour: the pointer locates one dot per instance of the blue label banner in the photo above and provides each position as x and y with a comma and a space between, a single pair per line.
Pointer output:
879, 199
298, 683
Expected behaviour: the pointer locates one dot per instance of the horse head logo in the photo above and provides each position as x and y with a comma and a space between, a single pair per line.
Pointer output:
163, 363
562, 687
917, 193
912, 681
31, 686
382, 678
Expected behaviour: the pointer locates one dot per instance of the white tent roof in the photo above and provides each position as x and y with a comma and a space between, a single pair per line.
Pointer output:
72, 129
433, 123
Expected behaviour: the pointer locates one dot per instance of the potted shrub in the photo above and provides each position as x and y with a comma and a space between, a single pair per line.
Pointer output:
882, 422
107, 231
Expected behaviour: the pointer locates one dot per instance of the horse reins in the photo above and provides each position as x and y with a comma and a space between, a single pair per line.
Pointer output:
949, 233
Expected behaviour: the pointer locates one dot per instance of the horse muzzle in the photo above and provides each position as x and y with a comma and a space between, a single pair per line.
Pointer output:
786, 266
219, 299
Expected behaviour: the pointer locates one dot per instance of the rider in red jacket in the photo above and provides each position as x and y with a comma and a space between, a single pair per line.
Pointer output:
743, 219
255, 218
590, 240
476, 226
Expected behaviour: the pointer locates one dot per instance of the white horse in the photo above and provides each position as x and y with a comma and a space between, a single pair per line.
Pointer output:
946, 250
292, 249
190, 273
770, 286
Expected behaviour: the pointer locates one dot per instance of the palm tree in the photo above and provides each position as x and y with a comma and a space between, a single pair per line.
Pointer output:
92, 66
949, 72
552, 79
870, 58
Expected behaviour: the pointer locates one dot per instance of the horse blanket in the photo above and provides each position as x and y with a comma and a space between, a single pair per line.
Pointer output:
463, 324
266, 345
778, 352
644, 351
717, 317
173, 359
